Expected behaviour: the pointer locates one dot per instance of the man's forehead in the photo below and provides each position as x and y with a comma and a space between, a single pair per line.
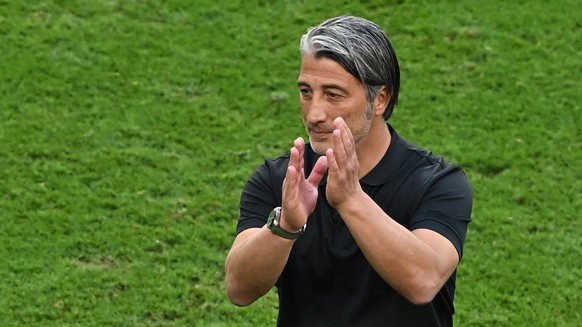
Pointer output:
323, 71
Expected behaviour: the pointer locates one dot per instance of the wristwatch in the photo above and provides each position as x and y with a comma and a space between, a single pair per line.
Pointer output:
273, 225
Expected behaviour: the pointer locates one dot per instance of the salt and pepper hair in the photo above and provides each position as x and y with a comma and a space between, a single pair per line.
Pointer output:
363, 49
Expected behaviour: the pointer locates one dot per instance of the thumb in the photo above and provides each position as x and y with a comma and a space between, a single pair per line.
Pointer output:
318, 171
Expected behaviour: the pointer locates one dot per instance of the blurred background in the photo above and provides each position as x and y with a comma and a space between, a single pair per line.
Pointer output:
128, 129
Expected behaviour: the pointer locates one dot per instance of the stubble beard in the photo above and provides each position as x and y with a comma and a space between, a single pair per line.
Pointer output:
359, 135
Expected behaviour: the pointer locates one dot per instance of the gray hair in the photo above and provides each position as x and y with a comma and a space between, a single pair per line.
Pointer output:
362, 48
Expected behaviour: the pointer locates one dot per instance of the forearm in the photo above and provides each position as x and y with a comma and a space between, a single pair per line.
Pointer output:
405, 261
254, 264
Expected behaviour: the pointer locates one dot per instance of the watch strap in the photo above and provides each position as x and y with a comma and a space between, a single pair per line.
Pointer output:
273, 225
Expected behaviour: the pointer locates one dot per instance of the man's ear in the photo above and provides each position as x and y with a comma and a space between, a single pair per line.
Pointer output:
381, 101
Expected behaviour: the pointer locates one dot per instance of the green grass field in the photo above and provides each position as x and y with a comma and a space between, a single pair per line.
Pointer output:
128, 128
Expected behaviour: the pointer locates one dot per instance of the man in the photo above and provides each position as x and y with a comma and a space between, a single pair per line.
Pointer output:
358, 227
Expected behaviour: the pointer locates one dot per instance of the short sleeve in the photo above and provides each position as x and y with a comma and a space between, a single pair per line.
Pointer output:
262, 193
446, 208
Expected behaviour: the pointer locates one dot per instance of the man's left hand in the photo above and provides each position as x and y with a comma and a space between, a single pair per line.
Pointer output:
343, 180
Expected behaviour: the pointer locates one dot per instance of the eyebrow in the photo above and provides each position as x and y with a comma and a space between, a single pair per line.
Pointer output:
325, 86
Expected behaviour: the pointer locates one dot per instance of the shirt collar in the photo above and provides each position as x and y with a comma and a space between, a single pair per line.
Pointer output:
388, 166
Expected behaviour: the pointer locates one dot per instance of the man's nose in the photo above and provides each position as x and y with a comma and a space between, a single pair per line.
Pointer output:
316, 111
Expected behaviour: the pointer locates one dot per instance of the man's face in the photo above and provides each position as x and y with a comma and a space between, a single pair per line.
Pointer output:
328, 91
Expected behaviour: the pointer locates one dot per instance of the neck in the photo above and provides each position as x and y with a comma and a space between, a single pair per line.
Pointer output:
373, 148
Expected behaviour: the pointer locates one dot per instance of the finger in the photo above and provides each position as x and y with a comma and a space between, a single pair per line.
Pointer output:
294, 157
291, 177
300, 146
346, 134
347, 139
332, 165
339, 150
318, 171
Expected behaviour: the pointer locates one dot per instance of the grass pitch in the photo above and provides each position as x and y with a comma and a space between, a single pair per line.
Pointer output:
128, 128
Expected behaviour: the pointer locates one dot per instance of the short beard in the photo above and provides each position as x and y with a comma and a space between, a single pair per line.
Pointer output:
368, 119
369, 111
367, 115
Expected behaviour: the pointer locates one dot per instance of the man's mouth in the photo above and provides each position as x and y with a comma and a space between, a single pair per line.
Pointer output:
318, 134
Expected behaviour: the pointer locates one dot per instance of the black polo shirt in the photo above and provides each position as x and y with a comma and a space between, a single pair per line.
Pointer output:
327, 281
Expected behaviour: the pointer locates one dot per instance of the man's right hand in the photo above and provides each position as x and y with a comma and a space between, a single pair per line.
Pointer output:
300, 193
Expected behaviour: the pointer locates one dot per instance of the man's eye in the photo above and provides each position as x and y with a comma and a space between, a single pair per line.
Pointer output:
334, 95
305, 91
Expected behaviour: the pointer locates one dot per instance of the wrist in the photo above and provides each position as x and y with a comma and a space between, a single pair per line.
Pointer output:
284, 224
353, 203
273, 223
